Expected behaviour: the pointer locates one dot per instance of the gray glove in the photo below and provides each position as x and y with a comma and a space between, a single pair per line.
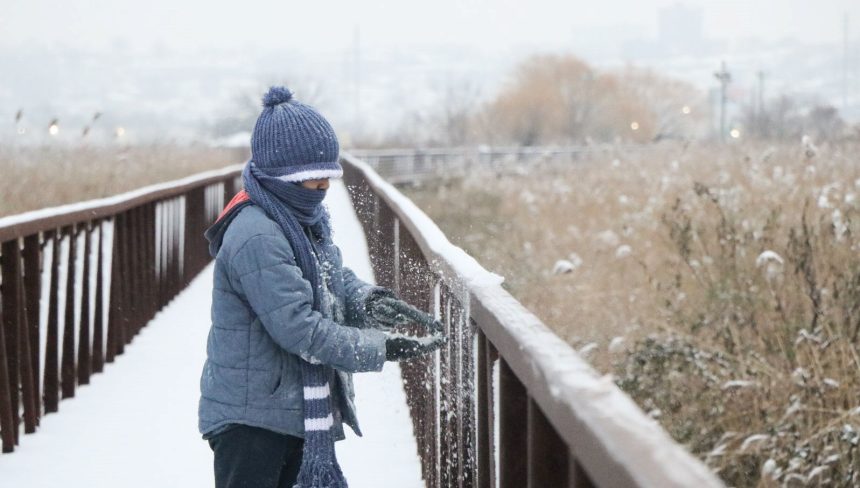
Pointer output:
388, 312
375, 295
398, 348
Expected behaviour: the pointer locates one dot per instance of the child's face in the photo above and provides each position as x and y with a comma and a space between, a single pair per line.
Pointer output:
321, 184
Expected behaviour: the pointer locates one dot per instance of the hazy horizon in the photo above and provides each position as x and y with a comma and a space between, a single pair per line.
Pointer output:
182, 65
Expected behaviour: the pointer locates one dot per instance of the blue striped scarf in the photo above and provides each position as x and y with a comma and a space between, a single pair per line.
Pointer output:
295, 207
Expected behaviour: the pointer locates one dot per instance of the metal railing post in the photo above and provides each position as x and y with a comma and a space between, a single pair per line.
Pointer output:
51, 385
32, 290
98, 321
7, 423
67, 363
513, 445
84, 357
11, 263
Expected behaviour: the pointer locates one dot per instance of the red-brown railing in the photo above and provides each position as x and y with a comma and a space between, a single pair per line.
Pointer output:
78, 282
506, 402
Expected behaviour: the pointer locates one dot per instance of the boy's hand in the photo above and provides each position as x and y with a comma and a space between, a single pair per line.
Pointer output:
375, 318
398, 348
390, 312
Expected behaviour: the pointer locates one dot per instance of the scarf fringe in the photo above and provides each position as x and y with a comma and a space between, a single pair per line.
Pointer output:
318, 472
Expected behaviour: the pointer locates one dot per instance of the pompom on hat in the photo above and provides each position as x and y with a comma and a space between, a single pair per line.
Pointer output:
292, 141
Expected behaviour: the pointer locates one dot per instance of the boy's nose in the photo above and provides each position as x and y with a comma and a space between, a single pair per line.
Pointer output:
321, 184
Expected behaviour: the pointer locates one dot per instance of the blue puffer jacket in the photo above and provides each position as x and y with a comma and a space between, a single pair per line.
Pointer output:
263, 322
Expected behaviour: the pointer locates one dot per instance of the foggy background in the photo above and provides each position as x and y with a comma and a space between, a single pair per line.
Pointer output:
183, 71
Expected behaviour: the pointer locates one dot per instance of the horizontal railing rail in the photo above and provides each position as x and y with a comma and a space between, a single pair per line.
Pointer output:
413, 165
78, 282
505, 402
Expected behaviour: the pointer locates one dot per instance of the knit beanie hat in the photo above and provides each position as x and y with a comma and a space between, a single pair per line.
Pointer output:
292, 141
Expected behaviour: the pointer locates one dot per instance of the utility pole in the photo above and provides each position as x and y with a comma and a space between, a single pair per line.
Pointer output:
761, 117
725, 78
845, 63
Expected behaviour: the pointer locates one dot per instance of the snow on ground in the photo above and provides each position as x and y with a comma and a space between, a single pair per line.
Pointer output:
136, 424
386, 455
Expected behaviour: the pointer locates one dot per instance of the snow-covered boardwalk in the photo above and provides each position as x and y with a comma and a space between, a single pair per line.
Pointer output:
136, 423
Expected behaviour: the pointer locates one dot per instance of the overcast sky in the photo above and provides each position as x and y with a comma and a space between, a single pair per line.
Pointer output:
329, 25
196, 56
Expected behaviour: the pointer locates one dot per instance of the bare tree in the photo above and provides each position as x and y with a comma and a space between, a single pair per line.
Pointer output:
824, 122
561, 99
457, 111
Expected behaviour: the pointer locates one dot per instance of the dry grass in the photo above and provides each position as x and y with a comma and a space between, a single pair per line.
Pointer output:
720, 285
37, 177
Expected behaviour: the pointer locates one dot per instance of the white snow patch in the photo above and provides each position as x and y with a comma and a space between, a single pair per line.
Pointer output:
825, 195
769, 469
816, 472
800, 375
623, 251
608, 238
587, 349
738, 384
771, 264
753, 440
616, 344
768, 256
563, 266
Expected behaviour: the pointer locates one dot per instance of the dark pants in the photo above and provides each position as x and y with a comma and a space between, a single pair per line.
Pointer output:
255, 458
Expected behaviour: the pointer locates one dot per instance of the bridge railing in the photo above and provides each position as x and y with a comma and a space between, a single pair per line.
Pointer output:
78, 282
506, 402
412, 165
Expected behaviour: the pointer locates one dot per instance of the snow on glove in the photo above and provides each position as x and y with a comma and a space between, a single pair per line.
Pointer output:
390, 312
372, 300
398, 347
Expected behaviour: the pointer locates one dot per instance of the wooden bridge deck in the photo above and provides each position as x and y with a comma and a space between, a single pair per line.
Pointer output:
136, 426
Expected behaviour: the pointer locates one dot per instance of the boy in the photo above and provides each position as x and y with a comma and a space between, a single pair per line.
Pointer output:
289, 324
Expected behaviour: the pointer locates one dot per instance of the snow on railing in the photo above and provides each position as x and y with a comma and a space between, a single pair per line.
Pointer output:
505, 402
79, 281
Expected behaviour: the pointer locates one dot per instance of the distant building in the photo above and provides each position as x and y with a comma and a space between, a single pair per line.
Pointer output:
680, 31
